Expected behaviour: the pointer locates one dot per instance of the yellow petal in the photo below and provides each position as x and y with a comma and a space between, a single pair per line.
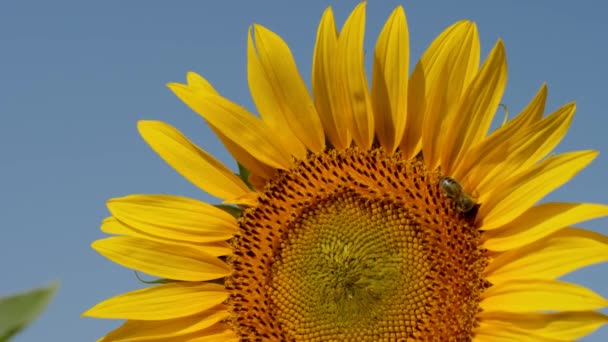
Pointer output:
551, 257
200, 86
493, 332
261, 89
411, 143
245, 158
523, 149
434, 116
161, 302
190, 161
174, 217
389, 81
138, 330
559, 326
249, 200
540, 221
518, 193
533, 111
452, 60
162, 260
219, 332
110, 225
279, 92
466, 58
238, 125
217, 248
510, 149
470, 123
419, 88
353, 95
257, 182
531, 295
324, 89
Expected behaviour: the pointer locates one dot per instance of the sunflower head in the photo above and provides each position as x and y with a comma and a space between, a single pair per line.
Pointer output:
324, 260
389, 212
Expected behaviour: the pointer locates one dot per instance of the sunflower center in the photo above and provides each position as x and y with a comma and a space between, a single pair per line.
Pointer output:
358, 270
356, 246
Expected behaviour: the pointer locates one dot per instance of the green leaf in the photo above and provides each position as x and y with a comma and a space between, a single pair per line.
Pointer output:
20, 310
232, 210
244, 175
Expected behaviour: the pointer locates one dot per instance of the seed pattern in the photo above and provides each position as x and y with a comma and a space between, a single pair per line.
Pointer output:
356, 245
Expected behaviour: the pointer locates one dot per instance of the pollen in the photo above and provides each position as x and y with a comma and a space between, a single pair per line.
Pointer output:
356, 245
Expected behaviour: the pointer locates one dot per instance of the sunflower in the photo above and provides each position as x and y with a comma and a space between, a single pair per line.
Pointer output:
383, 213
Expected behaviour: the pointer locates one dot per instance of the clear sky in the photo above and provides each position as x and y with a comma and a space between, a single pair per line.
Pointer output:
75, 78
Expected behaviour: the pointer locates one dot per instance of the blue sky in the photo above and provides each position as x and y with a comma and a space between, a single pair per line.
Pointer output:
75, 78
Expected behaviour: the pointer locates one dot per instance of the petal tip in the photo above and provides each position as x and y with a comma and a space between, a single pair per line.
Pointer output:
143, 126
